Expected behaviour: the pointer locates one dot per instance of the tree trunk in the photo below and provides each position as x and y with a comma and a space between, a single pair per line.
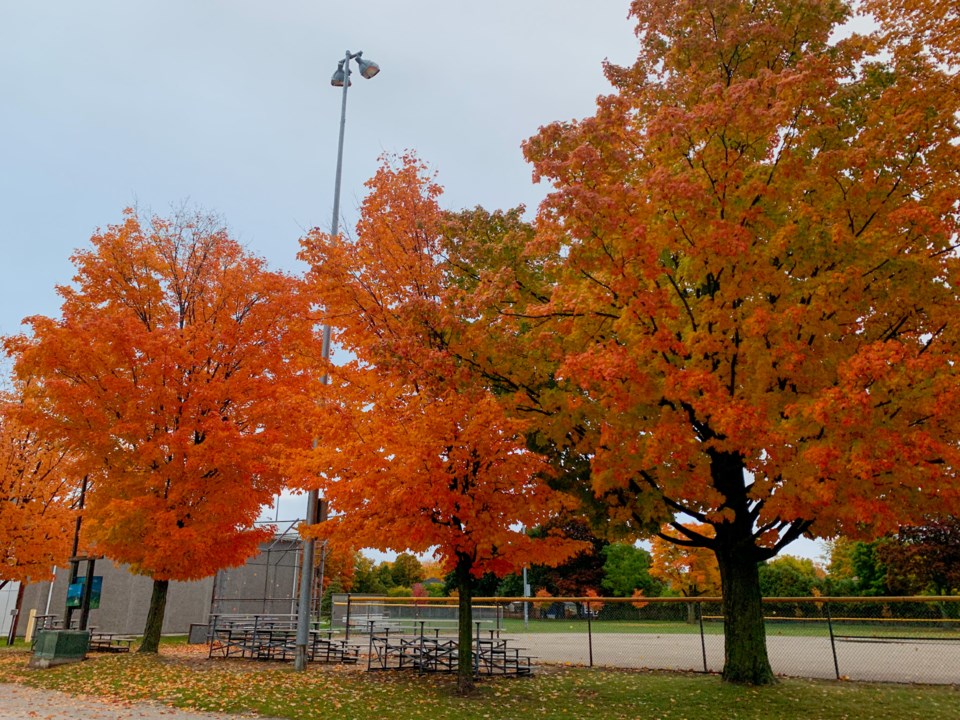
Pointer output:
465, 627
158, 604
745, 640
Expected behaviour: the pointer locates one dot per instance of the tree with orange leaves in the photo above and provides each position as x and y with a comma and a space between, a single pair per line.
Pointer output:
172, 374
38, 484
415, 451
918, 27
753, 248
687, 569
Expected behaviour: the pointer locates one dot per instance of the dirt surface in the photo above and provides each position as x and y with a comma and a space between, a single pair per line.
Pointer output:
899, 661
18, 702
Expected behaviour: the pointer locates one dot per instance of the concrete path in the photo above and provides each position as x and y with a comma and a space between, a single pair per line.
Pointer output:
18, 702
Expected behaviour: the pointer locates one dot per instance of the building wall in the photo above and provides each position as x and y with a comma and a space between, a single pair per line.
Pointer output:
267, 584
8, 601
124, 601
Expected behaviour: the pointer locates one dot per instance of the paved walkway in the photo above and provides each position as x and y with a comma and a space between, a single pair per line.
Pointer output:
18, 702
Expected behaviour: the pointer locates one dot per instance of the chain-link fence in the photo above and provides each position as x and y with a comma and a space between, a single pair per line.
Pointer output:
903, 639
265, 584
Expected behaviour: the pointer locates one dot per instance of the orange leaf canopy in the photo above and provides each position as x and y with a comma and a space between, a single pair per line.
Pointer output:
418, 453
689, 570
37, 488
754, 241
173, 374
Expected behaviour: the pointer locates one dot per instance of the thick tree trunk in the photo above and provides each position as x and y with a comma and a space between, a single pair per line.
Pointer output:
465, 627
745, 641
158, 604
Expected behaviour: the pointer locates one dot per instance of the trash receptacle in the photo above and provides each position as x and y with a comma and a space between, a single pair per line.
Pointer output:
57, 647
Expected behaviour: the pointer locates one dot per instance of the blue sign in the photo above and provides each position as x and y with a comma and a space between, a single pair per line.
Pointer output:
75, 592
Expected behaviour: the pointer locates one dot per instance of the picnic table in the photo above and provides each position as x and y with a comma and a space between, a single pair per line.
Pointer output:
110, 642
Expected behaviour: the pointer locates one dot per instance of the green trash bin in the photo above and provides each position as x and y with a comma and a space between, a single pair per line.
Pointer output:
57, 647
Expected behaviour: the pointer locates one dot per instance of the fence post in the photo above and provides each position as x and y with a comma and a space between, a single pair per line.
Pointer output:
590, 632
703, 642
833, 644
370, 642
212, 633
347, 619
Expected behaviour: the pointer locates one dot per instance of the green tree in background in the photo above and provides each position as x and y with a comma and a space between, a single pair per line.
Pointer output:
790, 576
626, 568
407, 570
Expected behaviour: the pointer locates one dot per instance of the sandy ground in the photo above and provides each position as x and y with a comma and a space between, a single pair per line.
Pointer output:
810, 657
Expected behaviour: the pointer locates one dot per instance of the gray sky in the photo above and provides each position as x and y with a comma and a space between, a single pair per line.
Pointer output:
227, 104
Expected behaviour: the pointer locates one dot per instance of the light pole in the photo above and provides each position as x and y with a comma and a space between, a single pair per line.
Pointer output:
341, 78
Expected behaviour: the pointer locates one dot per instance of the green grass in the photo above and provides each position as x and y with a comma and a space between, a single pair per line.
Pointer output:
183, 676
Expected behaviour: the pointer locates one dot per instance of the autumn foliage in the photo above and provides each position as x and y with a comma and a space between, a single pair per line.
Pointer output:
753, 251
415, 451
733, 324
38, 483
686, 569
173, 375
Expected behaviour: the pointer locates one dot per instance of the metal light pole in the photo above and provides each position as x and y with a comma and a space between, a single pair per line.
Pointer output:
341, 78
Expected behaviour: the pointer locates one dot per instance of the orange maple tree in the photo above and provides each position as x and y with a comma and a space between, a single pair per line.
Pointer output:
38, 484
918, 27
173, 374
686, 568
415, 452
753, 247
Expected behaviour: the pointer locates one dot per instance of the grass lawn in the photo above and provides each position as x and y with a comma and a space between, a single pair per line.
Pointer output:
183, 676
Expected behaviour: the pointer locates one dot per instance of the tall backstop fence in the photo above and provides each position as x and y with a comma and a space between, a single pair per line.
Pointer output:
892, 639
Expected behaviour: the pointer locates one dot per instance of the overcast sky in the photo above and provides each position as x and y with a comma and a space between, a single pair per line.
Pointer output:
227, 104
